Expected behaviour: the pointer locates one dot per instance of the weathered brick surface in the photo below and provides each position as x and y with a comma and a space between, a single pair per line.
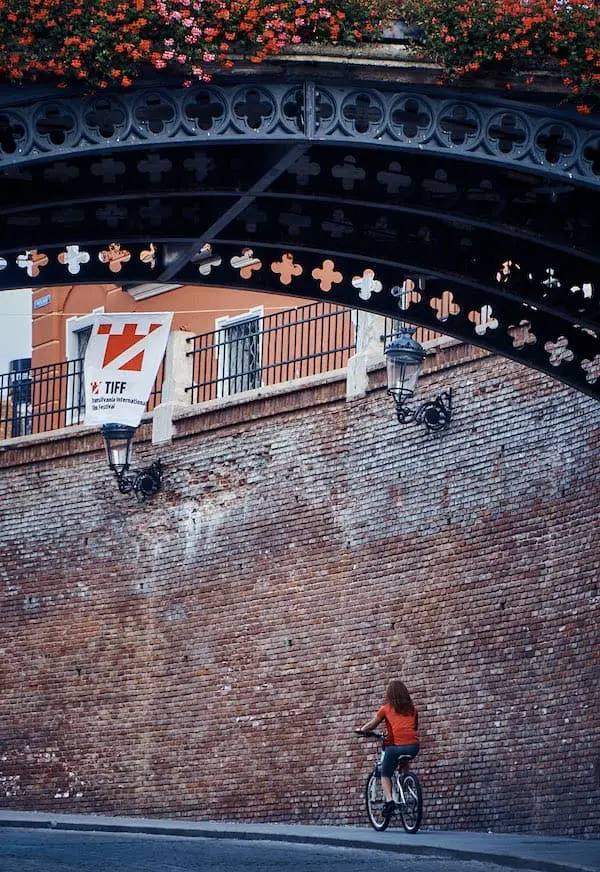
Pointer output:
208, 654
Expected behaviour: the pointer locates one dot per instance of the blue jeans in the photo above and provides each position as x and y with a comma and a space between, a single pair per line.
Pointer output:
391, 755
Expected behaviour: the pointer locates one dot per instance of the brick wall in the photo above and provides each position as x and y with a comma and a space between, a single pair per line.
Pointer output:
207, 654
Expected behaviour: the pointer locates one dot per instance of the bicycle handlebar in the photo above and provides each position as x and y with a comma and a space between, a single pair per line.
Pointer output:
370, 734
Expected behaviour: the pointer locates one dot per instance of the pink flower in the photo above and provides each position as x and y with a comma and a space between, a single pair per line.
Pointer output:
160, 65
296, 39
168, 55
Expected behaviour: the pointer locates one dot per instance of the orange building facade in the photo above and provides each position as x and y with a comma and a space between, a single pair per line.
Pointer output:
62, 315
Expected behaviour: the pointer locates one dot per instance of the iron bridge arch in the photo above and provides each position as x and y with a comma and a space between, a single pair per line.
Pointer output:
465, 212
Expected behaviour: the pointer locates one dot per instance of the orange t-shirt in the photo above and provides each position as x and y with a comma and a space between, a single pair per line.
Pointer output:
401, 729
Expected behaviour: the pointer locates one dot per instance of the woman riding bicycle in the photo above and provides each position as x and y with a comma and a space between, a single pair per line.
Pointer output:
401, 722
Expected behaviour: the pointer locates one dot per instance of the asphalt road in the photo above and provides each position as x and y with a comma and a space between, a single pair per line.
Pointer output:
31, 850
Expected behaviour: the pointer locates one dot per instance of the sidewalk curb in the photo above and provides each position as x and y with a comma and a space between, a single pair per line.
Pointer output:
501, 859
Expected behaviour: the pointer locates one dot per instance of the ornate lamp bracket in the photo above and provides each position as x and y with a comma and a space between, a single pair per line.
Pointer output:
434, 414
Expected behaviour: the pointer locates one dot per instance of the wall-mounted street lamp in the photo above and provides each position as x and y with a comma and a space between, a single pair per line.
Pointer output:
404, 358
118, 441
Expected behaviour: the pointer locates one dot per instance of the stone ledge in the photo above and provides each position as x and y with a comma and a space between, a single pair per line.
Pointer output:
212, 415
267, 402
264, 402
391, 62
68, 441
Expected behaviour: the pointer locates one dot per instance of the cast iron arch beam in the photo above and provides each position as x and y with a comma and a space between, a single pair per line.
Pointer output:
514, 329
553, 282
37, 214
40, 214
462, 130
441, 302
290, 156
544, 277
54, 267
531, 214
568, 218
422, 181
554, 241
505, 292
540, 275
408, 118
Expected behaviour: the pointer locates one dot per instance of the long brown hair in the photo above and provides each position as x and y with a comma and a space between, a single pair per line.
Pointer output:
398, 697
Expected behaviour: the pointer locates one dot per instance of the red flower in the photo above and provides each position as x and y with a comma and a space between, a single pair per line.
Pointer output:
73, 39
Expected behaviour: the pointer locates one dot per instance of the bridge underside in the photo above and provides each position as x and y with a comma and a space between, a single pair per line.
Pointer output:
472, 216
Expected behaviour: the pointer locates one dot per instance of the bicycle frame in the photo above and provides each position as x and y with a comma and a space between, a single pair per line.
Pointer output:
406, 790
398, 789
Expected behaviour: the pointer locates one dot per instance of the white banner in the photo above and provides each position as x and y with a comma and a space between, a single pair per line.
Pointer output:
121, 361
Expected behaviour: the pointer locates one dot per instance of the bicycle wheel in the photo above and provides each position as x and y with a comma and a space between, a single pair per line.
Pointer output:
411, 810
374, 799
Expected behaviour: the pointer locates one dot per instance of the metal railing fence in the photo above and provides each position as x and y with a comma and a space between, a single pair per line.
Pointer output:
49, 397
252, 352
266, 350
42, 398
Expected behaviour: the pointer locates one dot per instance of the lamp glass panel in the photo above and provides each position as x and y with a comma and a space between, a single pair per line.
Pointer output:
118, 453
402, 377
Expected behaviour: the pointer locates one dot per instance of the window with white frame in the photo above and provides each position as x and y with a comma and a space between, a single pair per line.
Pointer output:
238, 351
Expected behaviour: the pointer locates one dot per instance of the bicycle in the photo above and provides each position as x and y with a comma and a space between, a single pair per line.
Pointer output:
406, 791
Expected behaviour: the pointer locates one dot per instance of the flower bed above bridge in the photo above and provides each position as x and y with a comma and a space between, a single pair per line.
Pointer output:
112, 43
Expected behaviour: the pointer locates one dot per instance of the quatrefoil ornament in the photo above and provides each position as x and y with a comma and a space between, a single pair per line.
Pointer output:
327, 275
246, 263
207, 260
521, 334
591, 369
148, 256
73, 259
559, 351
551, 280
286, 269
444, 306
407, 293
32, 261
508, 268
367, 284
114, 257
483, 320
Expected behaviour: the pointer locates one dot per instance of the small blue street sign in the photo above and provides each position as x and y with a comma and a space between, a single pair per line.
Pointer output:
41, 301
